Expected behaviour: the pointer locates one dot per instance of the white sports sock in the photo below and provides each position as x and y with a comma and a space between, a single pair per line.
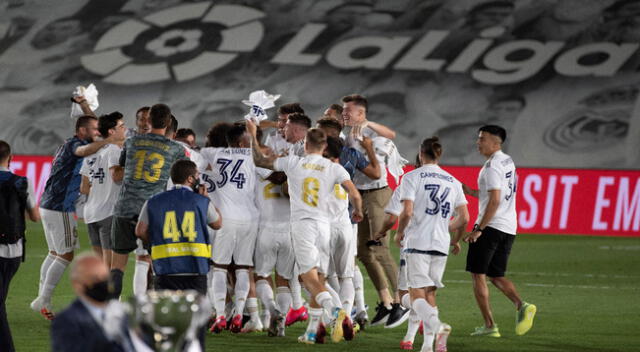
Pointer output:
326, 301
334, 283
219, 290
335, 297
314, 319
241, 290
429, 317
55, 272
140, 277
412, 327
46, 263
210, 286
252, 308
358, 282
347, 293
405, 300
296, 293
265, 292
283, 297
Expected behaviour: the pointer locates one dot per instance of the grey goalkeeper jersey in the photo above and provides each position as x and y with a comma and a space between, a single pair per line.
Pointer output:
147, 160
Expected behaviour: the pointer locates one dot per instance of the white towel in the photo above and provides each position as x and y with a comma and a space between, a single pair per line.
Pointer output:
395, 162
259, 101
90, 93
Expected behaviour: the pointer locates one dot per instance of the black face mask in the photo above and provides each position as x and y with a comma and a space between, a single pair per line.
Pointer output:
99, 291
196, 185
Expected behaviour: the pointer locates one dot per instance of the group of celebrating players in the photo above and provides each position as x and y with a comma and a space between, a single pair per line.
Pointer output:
288, 202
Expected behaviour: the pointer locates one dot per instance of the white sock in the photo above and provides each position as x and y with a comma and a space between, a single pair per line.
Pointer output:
283, 297
347, 293
210, 286
55, 272
414, 320
358, 282
252, 308
334, 283
140, 277
241, 289
335, 297
219, 290
429, 317
314, 319
265, 292
326, 301
46, 263
296, 293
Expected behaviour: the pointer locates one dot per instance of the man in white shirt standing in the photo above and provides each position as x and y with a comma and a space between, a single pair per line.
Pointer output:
429, 197
373, 253
311, 181
101, 187
276, 140
494, 231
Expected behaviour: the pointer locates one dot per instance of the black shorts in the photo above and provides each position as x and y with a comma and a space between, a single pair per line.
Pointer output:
123, 235
490, 253
182, 282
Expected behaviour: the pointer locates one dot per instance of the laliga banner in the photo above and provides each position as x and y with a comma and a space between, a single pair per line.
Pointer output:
550, 201
561, 76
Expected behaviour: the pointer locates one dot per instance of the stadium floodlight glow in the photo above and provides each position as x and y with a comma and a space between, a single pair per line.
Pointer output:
180, 43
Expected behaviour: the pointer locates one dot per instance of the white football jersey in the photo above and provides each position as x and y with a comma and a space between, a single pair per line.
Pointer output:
231, 184
277, 143
311, 184
394, 206
104, 192
499, 172
435, 195
273, 206
339, 206
361, 180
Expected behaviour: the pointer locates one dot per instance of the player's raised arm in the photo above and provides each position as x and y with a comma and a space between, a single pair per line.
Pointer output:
258, 158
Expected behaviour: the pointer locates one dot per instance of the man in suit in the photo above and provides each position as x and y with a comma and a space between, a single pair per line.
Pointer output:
80, 326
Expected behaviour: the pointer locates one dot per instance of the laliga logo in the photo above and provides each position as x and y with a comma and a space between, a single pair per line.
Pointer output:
181, 42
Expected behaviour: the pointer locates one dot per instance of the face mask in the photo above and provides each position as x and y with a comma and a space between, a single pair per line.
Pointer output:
196, 184
99, 291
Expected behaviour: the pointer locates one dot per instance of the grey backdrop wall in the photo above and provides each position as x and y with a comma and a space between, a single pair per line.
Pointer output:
560, 75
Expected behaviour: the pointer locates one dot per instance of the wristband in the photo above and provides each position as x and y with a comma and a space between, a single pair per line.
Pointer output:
476, 227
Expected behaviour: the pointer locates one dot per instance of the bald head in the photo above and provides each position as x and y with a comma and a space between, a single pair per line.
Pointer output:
87, 270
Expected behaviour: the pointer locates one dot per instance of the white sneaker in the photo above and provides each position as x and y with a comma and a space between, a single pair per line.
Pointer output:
253, 326
42, 307
441, 337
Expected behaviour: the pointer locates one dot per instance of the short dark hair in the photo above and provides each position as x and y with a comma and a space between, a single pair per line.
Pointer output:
173, 126
83, 121
300, 119
107, 122
160, 115
142, 109
5, 150
334, 147
234, 134
329, 122
181, 170
183, 133
316, 137
431, 148
217, 135
357, 99
336, 107
495, 130
290, 108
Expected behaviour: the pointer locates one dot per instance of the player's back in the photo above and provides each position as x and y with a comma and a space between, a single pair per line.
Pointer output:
147, 162
273, 206
233, 173
311, 183
435, 195
104, 191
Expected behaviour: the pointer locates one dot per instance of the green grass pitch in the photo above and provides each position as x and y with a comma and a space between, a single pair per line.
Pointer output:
586, 290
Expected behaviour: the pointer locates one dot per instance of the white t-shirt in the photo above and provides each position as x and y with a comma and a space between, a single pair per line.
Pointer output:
311, 184
361, 180
339, 206
104, 191
435, 195
194, 156
499, 172
394, 206
273, 206
277, 143
233, 178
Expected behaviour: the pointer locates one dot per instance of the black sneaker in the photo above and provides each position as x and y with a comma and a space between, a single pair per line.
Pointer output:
397, 316
382, 314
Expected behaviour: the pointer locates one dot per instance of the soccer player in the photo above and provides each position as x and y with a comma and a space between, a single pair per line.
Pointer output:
147, 160
276, 139
311, 181
143, 123
99, 185
57, 206
494, 232
295, 131
429, 195
374, 254
235, 197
